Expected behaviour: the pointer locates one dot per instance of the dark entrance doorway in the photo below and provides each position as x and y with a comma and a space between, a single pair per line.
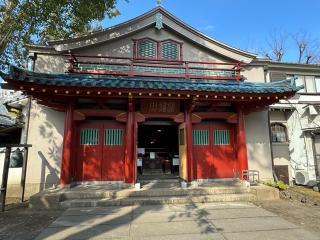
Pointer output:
158, 152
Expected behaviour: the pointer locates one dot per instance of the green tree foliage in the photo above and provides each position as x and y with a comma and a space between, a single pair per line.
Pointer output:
25, 22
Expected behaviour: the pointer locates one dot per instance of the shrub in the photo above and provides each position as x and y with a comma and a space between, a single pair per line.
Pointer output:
279, 184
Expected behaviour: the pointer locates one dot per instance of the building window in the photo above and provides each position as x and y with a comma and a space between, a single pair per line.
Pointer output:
317, 83
221, 137
200, 137
89, 136
147, 48
169, 50
278, 133
181, 136
113, 136
311, 83
160, 50
300, 82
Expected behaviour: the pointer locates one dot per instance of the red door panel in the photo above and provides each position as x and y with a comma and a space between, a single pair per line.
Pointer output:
214, 155
203, 156
113, 152
223, 150
90, 152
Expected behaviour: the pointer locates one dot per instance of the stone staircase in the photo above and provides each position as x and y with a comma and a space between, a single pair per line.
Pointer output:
151, 192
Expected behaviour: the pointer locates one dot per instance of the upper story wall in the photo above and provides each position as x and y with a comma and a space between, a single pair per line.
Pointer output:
123, 47
158, 24
307, 75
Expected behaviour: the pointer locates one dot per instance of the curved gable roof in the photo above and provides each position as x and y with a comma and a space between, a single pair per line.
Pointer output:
148, 19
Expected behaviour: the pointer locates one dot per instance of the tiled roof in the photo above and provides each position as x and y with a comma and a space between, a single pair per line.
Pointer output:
108, 81
5, 119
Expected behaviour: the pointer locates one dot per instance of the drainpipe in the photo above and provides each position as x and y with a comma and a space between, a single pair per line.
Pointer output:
313, 138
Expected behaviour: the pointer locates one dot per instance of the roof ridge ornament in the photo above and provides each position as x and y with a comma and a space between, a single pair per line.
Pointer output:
159, 3
159, 22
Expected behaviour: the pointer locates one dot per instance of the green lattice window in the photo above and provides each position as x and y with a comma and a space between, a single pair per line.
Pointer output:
181, 136
147, 48
200, 137
89, 136
113, 136
169, 50
221, 137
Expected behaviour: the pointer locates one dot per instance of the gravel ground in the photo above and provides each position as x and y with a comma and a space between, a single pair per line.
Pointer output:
301, 214
20, 222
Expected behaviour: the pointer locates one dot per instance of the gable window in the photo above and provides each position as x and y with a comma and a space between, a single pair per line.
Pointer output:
278, 133
147, 48
169, 50
159, 50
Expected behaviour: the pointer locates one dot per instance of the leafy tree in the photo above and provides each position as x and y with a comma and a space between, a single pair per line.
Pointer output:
25, 22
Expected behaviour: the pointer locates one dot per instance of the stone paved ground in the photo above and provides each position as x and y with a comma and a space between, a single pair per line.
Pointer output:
227, 221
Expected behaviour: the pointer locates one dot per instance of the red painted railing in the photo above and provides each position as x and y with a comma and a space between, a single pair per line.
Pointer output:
108, 65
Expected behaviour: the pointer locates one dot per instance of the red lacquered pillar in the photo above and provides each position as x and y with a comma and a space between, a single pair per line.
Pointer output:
129, 158
66, 163
241, 142
189, 150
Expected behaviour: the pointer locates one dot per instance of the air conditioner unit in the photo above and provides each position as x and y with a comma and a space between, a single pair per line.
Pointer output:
302, 177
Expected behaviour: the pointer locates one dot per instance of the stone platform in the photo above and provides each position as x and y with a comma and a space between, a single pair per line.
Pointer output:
151, 193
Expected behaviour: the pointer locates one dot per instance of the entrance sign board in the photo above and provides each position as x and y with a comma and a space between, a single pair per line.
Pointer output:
155, 106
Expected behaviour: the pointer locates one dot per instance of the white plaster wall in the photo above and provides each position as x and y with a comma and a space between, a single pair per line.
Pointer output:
253, 74
46, 136
300, 145
124, 46
258, 144
50, 63
278, 116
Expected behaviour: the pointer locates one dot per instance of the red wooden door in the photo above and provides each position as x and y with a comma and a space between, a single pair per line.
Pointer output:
223, 150
203, 161
113, 152
101, 152
90, 152
213, 151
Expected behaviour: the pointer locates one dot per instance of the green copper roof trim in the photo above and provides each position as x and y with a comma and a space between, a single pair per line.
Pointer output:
156, 83
159, 23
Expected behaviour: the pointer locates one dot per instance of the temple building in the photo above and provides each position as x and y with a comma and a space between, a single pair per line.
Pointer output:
151, 97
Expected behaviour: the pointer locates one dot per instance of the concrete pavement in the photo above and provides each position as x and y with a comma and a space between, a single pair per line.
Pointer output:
218, 221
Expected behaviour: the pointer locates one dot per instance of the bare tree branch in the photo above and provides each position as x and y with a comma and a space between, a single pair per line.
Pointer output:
277, 44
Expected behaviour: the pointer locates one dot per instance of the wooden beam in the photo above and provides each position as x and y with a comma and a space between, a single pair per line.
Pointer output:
99, 112
230, 117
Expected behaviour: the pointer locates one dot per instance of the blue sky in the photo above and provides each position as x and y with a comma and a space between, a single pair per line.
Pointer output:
244, 24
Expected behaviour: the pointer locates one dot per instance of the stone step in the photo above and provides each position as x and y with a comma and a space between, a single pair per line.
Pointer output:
75, 203
157, 192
